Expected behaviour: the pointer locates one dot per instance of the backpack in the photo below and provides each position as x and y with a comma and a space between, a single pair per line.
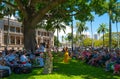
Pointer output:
4, 73
26, 70
17, 70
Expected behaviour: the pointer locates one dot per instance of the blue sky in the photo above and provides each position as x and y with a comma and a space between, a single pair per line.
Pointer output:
97, 21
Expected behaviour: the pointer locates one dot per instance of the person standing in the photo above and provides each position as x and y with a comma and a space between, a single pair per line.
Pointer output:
48, 67
66, 56
40, 58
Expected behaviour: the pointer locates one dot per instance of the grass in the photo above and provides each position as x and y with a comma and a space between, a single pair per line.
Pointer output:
73, 70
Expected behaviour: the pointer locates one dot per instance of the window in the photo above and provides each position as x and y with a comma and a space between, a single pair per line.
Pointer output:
41, 33
22, 40
17, 40
44, 33
5, 27
38, 32
5, 39
47, 33
39, 40
12, 29
17, 29
12, 39
22, 30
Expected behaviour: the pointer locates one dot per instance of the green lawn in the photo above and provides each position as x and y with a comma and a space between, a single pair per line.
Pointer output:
74, 70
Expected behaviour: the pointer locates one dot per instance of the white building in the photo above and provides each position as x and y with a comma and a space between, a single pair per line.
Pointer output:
11, 29
95, 36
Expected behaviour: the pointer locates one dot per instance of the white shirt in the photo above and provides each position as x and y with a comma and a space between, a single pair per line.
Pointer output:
23, 58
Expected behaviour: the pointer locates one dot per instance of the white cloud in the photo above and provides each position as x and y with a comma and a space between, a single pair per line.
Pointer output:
62, 33
68, 30
86, 33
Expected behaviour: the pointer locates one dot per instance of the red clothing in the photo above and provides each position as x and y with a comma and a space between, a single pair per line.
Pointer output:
84, 53
116, 67
23, 62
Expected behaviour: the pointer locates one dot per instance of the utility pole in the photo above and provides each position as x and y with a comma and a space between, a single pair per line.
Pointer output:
72, 32
92, 34
8, 31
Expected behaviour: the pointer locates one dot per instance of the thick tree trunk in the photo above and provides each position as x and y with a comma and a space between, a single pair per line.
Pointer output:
30, 44
29, 36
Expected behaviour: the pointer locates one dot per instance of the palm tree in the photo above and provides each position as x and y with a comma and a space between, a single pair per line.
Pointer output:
69, 36
58, 26
111, 8
81, 27
66, 39
91, 19
116, 19
102, 29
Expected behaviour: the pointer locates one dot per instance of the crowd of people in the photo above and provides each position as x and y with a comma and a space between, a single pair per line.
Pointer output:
11, 59
109, 59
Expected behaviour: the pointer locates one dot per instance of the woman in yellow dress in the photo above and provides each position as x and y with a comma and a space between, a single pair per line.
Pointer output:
66, 56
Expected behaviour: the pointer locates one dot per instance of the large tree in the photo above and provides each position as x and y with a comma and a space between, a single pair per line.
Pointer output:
31, 12
35, 12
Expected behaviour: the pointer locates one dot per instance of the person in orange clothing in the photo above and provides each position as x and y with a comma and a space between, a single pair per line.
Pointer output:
66, 56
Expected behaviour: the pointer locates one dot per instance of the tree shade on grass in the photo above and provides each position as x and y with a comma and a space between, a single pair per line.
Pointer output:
73, 70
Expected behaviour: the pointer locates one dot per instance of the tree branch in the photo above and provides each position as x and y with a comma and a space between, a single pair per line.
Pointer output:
29, 2
0, 1
33, 2
40, 15
22, 8
9, 4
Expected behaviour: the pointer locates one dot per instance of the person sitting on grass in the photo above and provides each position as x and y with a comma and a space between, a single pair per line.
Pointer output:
109, 64
24, 60
40, 58
117, 64
2, 64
